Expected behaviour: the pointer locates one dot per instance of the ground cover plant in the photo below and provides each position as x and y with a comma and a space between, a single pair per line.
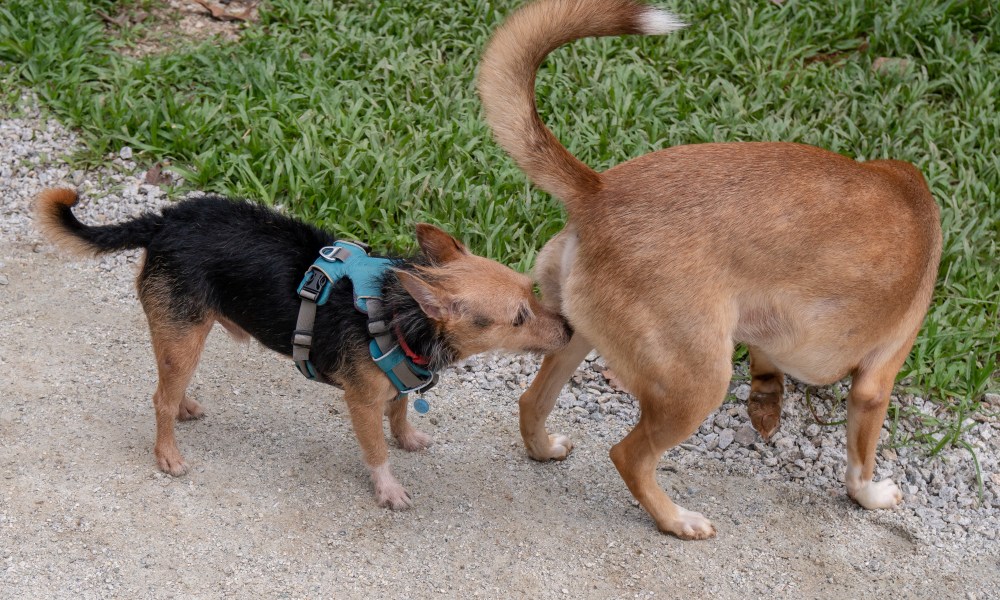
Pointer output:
362, 117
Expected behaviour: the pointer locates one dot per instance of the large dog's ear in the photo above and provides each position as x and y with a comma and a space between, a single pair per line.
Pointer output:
437, 245
435, 302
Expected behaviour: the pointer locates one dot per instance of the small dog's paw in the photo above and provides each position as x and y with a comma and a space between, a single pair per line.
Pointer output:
388, 492
558, 448
872, 495
189, 410
689, 525
393, 496
171, 462
414, 440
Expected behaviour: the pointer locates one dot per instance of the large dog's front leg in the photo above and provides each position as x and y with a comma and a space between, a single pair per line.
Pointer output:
538, 400
367, 407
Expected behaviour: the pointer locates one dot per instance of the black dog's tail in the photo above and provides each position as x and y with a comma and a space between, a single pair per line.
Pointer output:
55, 219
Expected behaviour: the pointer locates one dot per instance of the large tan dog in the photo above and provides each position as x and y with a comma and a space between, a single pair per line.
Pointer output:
821, 265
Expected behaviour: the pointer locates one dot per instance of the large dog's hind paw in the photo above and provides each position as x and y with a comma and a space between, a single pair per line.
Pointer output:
883, 494
393, 495
170, 461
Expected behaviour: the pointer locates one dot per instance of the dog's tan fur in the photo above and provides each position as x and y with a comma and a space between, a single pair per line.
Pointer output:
478, 303
822, 265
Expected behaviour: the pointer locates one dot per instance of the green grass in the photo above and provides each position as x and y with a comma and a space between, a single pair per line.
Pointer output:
362, 117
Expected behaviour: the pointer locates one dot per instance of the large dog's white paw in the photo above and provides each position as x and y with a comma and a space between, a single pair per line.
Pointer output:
558, 448
393, 496
689, 525
872, 495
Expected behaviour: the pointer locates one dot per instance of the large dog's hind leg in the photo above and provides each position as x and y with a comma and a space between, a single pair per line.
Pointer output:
867, 402
767, 389
674, 400
538, 400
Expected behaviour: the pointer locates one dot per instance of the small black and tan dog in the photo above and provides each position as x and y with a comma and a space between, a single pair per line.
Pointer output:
239, 263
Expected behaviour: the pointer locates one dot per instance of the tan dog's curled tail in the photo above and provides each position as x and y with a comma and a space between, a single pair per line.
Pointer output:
507, 81
54, 218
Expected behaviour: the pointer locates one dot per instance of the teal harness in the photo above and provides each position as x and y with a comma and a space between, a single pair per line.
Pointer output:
347, 259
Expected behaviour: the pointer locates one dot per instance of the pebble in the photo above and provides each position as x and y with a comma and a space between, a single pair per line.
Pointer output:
746, 435
726, 438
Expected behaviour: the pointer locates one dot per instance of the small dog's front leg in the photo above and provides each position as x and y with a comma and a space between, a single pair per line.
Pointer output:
366, 416
190, 409
409, 437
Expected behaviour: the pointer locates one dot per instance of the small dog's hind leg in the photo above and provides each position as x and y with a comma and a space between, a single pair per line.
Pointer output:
177, 349
538, 400
409, 437
767, 389
190, 408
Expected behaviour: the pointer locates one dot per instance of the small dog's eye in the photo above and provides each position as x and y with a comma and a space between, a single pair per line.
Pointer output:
523, 314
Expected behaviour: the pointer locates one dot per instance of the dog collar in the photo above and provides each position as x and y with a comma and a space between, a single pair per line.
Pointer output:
391, 353
417, 359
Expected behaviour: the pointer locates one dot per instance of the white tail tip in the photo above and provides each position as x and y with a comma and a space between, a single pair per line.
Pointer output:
655, 21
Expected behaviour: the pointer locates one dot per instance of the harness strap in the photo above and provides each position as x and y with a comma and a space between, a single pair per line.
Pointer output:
406, 375
346, 259
315, 291
302, 338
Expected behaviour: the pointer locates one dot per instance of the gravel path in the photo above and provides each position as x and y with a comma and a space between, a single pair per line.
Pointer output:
278, 504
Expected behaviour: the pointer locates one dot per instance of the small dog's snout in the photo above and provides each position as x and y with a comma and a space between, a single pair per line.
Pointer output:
567, 328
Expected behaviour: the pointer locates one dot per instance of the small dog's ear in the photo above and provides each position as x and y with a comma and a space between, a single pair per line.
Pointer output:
434, 302
437, 245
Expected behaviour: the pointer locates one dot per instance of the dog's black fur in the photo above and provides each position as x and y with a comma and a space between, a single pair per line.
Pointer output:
243, 261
